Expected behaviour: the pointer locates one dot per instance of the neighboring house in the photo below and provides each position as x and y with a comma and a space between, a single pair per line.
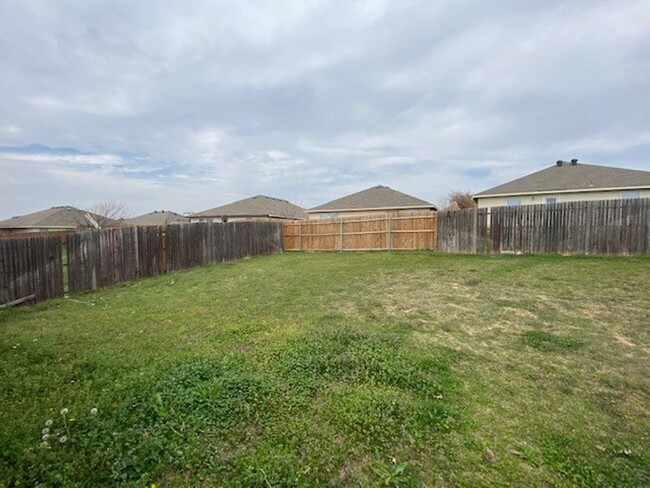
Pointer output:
258, 208
158, 217
55, 219
376, 200
568, 181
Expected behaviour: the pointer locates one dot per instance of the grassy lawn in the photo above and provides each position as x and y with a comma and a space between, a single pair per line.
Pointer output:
398, 369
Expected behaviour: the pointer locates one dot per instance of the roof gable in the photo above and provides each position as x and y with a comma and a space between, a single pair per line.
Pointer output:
257, 206
572, 177
377, 197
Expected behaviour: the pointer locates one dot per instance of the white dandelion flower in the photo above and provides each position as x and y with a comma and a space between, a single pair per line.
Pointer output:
45, 431
44, 444
64, 411
63, 439
93, 411
48, 423
45, 437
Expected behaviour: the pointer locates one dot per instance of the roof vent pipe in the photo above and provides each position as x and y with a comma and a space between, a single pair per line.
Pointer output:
574, 162
559, 162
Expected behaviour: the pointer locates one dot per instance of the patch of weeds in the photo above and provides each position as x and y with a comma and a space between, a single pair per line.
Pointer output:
549, 342
396, 474
527, 453
583, 464
340, 353
156, 426
376, 416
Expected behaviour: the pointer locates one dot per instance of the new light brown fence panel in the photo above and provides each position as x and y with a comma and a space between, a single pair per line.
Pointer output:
414, 232
292, 232
379, 232
595, 227
190, 245
101, 258
30, 266
364, 234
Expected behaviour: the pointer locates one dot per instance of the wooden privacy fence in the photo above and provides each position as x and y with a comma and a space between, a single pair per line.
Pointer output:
30, 266
100, 258
362, 234
207, 243
595, 227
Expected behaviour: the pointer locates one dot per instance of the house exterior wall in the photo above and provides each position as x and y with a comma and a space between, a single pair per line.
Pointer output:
194, 220
486, 202
367, 213
34, 230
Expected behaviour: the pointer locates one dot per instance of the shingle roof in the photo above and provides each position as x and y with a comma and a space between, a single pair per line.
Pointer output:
158, 217
64, 217
377, 197
257, 206
572, 177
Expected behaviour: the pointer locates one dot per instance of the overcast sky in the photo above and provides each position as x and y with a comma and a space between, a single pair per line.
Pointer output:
188, 105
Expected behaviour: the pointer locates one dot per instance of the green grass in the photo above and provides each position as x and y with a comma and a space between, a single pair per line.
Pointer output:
369, 369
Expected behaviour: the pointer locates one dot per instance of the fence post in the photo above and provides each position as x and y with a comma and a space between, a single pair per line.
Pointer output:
341, 236
389, 233
300, 236
163, 241
65, 269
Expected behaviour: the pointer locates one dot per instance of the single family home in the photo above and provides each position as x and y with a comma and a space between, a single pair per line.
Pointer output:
257, 208
55, 219
376, 200
158, 217
568, 181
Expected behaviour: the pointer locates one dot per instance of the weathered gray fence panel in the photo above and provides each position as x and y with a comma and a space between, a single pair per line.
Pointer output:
101, 258
600, 227
192, 245
30, 266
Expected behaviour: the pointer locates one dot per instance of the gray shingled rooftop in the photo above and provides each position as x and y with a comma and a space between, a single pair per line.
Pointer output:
64, 217
158, 217
257, 206
377, 197
572, 177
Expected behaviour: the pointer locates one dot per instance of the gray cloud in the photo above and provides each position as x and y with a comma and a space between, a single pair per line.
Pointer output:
187, 105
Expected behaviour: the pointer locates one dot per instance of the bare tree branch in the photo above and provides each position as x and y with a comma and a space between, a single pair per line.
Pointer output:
461, 198
111, 212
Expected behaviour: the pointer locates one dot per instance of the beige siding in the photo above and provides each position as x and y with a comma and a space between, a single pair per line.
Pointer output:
486, 202
366, 213
194, 220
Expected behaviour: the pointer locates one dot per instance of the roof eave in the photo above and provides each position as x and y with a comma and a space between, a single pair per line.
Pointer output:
572, 190
39, 227
236, 216
409, 207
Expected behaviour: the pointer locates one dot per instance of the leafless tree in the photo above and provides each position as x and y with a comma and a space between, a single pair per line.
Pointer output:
109, 213
462, 198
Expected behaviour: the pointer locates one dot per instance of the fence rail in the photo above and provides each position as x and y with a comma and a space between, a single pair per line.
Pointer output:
101, 258
382, 232
594, 227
